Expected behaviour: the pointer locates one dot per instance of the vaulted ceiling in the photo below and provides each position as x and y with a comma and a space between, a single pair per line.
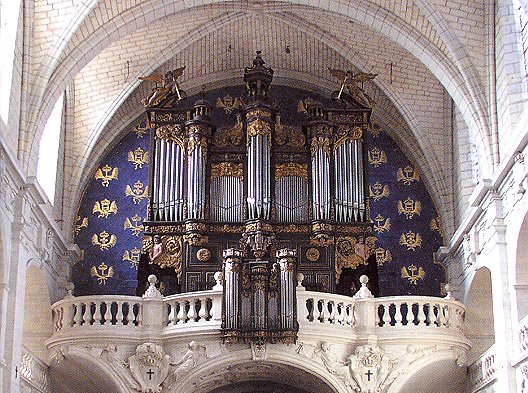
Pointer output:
427, 53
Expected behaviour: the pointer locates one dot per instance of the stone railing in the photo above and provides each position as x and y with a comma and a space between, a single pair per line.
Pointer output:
381, 316
341, 317
523, 337
482, 372
34, 372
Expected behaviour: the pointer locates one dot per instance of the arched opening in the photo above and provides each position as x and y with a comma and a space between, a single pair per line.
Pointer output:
521, 270
279, 373
82, 373
38, 325
479, 314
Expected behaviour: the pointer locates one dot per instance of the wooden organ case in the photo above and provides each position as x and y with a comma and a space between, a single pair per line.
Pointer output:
261, 201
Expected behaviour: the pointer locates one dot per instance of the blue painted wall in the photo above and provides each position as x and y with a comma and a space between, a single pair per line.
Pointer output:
117, 254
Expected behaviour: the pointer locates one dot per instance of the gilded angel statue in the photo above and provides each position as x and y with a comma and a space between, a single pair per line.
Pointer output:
351, 82
168, 84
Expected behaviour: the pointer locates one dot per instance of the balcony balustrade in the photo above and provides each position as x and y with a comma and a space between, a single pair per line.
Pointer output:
319, 314
482, 372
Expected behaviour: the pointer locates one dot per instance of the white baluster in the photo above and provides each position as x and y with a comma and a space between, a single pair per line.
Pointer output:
182, 313
108, 314
332, 313
77, 320
341, 310
351, 314
421, 317
119, 313
172, 313
97, 313
192, 310
204, 313
139, 317
309, 313
398, 315
324, 311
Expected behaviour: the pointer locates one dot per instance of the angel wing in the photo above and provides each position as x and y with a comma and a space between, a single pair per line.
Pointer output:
178, 72
99, 174
340, 74
128, 191
93, 272
363, 77
97, 208
84, 222
95, 239
110, 272
404, 272
113, 207
421, 272
115, 173
400, 207
152, 78
127, 224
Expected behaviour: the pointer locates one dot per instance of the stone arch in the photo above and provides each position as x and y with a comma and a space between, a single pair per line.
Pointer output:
278, 366
520, 255
76, 370
38, 325
479, 321
443, 68
434, 373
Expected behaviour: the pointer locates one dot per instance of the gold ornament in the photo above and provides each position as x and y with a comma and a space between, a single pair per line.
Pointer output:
138, 157
137, 193
407, 175
415, 275
411, 240
102, 272
376, 157
106, 174
313, 254
105, 241
203, 254
105, 208
378, 191
136, 227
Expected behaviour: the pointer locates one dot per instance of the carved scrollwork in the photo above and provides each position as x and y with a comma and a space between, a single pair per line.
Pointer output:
230, 136
227, 169
291, 169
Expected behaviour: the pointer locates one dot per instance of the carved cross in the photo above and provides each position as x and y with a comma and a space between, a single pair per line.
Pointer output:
151, 373
368, 374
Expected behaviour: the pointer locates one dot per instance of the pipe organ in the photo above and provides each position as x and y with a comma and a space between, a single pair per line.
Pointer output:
261, 198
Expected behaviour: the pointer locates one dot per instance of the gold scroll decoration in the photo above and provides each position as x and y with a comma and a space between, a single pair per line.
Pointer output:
138, 157
291, 169
229, 136
227, 169
197, 141
171, 132
409, 208
258, 127
320, 142
407, 175
376, 157
166, 251
352, 252
104, 208
288, 135
106, 173
346, 134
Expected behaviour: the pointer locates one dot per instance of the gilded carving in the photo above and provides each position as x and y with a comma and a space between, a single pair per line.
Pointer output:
195, 239
138, 157
320, 142
106, 173
411, 240
139, 131
203, 254
168, 83
352, 252
102, 272
347, 134
352, 82
229, 136
288, 135
167, 251
416, 273
313, 254
409, 208
291, 169
104, 240
227, 169
376, 157
171, 132
259, 112
292, 228
258, 127
407, 175
228, 103
197, 141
